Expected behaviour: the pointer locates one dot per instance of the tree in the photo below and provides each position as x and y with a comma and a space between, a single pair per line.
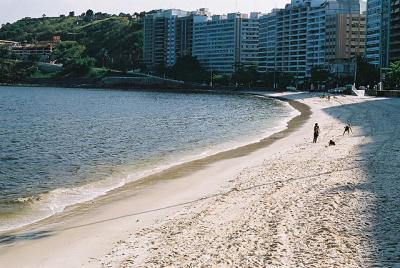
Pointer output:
393, 74
88, 17
79, 66
16, 71
89, 13
221, 79
5, 53
283, 80
121, 38
367, 74
319, 75
123, 41
66, 51
188, 69
267, 79
161, 69
73, 57
245, 76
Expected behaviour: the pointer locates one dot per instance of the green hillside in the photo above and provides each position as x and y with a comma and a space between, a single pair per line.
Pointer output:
114, 42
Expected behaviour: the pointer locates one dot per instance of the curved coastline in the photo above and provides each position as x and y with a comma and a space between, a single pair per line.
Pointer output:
187, 168
179, 170
190, 167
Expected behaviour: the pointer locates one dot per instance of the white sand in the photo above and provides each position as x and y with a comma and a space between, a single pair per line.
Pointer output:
292, 204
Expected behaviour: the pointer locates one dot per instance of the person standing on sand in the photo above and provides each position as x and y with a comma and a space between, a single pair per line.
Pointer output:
347, 129
316, 133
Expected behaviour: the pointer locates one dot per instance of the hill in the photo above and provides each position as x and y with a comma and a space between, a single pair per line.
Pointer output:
113, 41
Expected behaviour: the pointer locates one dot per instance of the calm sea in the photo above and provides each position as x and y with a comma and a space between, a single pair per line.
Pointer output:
59, 147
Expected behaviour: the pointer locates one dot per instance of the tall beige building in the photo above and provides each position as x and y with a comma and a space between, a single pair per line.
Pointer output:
294, 39
345, 40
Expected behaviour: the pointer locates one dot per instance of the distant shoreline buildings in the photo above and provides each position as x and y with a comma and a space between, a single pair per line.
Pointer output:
40, 51
225, 43
305, 34
309, 34
302, 36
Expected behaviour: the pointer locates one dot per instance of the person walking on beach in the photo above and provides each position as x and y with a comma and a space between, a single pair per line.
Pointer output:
347, 129
316, 133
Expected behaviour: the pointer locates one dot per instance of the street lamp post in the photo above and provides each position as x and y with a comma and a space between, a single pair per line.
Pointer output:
384, 42
211, 76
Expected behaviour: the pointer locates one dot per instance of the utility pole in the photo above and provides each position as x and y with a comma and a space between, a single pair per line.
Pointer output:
384, 42
211, 77
355, 70
337, 76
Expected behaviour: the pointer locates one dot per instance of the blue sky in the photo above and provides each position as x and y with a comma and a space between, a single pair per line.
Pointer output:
12, 10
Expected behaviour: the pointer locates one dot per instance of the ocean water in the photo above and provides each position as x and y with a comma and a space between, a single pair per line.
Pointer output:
60, 147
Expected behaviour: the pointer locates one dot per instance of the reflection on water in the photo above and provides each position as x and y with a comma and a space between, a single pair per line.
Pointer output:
55, 141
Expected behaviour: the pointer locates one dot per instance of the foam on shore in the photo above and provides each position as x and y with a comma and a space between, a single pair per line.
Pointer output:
43, 206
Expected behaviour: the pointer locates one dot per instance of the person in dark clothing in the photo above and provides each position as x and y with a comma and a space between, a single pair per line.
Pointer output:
332, 143
347, 129
316, 132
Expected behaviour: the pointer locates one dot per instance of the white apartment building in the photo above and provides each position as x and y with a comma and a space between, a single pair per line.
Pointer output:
168, 36
225, 43
160, 36
293, 39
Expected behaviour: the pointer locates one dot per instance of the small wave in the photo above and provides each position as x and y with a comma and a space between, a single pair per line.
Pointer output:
45, 205
29, 199
56, 201
8, 158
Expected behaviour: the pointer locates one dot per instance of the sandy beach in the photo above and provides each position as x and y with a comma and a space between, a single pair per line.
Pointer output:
283, 202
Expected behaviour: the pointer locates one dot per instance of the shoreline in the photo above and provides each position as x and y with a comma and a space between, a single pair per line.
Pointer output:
306, 205
158, 88
184, 167
291, 204
177, 174
173, 170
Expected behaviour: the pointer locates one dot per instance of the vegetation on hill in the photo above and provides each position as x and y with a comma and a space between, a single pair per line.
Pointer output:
97, 44
40, 29
114, 42
12, 71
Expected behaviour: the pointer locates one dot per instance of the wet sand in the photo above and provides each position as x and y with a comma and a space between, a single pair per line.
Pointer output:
282, 202
143, 202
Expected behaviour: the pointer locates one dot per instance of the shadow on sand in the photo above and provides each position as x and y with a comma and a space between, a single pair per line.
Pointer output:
379, 157
379, 122
11, 239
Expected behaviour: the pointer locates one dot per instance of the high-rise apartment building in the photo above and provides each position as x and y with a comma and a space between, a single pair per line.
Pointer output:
377, 32
168, 36
345, 40
303, 35
226, 42
294, 39
395, 31
268, 38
